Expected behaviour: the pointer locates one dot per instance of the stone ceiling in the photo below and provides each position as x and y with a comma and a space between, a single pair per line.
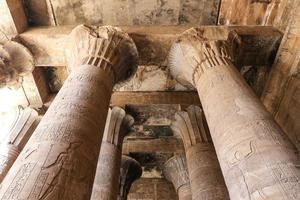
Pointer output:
123, 12
152, 121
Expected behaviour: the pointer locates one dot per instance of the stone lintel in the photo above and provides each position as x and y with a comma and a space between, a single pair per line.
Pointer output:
153, 43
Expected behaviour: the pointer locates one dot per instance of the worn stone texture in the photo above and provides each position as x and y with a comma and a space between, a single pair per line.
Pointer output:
255, 12
123, 12
281, 94
152, 78
16, 61
61, 156
256, 157
205, 175
152, 189
175, 170
130, 171
21, 130
13, 19
106, 183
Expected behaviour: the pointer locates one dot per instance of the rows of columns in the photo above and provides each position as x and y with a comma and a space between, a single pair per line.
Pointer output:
59, 161
257, 159
106, 183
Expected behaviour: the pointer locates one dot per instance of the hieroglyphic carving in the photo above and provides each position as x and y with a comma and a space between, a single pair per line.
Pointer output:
108, 168
15, 62
205, 174
20, 132
251, 148
175, 171
130, 171
65, 159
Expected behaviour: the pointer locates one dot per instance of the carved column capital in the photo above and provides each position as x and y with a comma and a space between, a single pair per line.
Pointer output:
192, 54
130, 171
189, 125
175, 171
106, 47
15, 61
118, 124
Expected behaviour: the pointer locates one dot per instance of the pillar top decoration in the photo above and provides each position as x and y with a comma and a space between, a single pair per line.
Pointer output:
192, 54
118, 124
15, 62
106, 47
175, 171
131, 170
189, 125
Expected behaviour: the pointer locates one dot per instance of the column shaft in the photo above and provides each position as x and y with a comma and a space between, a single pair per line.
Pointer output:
175, 170
106, 184
184, 192
257, 159
58, 162
8, 155
206, 179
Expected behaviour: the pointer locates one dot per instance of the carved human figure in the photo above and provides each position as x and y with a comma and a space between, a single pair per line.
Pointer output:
106, 183
60, 159
207, 182
20, 132
175, 171
130, 171
257, 159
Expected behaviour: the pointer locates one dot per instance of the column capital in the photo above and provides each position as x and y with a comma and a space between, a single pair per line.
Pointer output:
118, 124
189, 125
106, 47
130, 171
15, 61
192, 54
175, 171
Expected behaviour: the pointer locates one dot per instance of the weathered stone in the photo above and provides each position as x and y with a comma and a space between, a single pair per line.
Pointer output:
13, 19
252, 12
59, 161
106, 183
256, 157
130, 171
19, 134
204, 171
175, 171
123, 12
281, 93
15, 62
152, 188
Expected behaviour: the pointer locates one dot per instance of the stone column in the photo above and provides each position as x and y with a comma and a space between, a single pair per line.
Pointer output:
18, 136
60, 159
207, 182
175, 171
106, 183
257, 159
130, 171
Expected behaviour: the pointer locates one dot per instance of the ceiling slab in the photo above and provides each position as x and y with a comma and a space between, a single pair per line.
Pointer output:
122, 12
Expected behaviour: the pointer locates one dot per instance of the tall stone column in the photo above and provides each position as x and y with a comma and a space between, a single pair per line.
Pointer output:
207, 182
60, 159
175, 171
21, 130
130, 171
257, 159
106, 183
